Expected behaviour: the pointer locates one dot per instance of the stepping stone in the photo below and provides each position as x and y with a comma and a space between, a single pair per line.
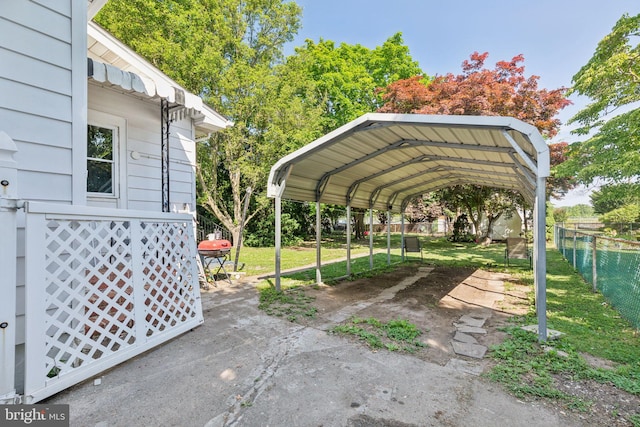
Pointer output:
472, 321
465, 366
462, 337
551, 334
476, 351
548, 349
469, 329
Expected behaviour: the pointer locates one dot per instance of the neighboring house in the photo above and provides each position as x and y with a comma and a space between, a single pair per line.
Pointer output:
97, 199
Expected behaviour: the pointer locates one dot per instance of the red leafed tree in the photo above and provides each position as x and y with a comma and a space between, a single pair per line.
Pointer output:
478, 91
503, 91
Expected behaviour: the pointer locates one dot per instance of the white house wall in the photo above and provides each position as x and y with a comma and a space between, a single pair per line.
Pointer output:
142, 157
36, 101
41, 83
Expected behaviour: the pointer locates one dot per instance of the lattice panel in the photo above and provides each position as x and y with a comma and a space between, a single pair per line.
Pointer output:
169, 268
93, 283
89, 294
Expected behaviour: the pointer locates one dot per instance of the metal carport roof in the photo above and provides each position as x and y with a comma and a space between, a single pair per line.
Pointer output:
382, 161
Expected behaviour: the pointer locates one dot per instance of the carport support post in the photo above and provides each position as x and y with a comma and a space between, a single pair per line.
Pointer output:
388, 237
540, 259
370, 239
402, 234
318, 243
278, 240
348, 240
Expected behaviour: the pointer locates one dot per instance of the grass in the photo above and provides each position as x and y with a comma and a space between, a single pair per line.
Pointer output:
291, 303
590, 325
439, 251
394, 335
257, 261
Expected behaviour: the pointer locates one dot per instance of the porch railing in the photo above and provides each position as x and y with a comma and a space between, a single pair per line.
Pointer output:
206, 226
101, 287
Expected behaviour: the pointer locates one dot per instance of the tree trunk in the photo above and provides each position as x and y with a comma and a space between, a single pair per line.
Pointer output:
475, 220
358, 217
486, 238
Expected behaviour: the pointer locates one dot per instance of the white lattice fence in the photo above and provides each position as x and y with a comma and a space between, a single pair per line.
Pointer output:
102, 287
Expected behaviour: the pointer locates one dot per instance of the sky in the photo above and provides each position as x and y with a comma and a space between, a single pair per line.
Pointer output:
556, 37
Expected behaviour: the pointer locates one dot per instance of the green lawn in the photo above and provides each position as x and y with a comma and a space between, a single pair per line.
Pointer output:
259, 261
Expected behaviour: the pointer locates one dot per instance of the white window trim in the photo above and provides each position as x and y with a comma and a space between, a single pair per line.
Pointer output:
119, 125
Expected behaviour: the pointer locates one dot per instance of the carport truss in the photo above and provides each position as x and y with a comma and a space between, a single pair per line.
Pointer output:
382, 161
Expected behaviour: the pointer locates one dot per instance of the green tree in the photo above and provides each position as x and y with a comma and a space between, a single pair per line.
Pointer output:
560, 214
480, 203
580, 211
613, 196
347, 77
229, 52
426, 208
623, 215
611, 79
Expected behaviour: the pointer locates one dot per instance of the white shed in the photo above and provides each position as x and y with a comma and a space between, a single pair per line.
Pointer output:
97, 164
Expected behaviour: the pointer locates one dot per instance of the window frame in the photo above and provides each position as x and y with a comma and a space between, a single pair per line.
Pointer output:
113, 162
118, 186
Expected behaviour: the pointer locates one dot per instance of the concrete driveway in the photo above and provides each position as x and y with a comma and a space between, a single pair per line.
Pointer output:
244, 368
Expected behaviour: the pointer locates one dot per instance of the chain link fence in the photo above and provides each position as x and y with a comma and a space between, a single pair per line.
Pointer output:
611, 266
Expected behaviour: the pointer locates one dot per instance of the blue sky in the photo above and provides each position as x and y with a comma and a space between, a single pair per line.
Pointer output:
556, 37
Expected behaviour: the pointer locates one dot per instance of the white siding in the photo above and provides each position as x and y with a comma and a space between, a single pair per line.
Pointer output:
143, 175
41, 48
35, 106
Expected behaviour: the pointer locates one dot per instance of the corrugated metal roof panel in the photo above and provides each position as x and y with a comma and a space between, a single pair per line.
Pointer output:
383, 157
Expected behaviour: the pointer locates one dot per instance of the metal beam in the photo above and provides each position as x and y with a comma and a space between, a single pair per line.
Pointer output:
356, 183
426, 157
453, 145
530, 163
405, 178
395, 194
403, 144
407, 199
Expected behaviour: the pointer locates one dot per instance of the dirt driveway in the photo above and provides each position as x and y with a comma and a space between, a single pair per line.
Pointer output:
434, 302
244, 368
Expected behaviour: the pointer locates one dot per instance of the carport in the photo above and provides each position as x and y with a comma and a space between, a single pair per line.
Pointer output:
382, 161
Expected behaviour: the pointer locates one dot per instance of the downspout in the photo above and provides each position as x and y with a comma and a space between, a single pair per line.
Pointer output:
164, 152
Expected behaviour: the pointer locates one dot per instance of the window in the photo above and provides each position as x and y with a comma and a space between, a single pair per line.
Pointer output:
101, 161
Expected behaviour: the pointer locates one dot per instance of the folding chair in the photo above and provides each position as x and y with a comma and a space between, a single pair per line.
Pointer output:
412, 244
516, 249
